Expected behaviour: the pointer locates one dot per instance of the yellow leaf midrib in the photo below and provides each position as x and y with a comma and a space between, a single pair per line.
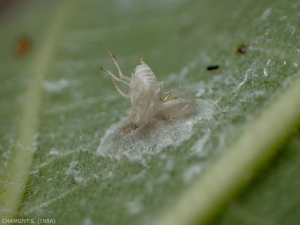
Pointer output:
20, 163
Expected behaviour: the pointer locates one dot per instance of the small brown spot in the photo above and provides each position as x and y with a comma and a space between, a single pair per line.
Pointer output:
23, 46
242, 49
129, 127
161, 117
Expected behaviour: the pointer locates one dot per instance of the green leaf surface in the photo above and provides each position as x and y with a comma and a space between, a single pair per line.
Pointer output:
56, 106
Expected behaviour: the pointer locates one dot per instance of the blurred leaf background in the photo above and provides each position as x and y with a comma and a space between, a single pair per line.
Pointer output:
77, 103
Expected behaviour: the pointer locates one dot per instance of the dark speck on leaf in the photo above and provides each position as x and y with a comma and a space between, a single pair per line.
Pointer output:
212, 67
242, 49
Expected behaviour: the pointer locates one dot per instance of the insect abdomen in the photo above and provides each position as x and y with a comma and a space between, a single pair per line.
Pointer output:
146, 74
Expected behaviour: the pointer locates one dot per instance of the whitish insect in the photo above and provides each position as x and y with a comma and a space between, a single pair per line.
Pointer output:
147, 97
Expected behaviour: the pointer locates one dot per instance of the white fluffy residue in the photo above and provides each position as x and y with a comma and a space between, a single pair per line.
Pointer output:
258, 93
136, 177
134, 207
72, 168
184, 71
198, 148
245, 79
266, 13
190, 173
75, 173
164, 178
152, 137
200, 92
170, 165
53, 151
87, 221
265, 72
55, 87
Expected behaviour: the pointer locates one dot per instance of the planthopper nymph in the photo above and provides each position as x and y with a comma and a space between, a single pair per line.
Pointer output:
147, 97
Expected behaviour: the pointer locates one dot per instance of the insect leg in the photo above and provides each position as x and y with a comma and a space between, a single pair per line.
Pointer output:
172, 103
160, 84
119, 90
122, 76
116, 78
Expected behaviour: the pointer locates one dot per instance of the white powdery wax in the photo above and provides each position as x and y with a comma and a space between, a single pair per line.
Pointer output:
150, 138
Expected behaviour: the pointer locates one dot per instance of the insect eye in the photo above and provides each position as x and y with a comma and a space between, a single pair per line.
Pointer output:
134, 117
